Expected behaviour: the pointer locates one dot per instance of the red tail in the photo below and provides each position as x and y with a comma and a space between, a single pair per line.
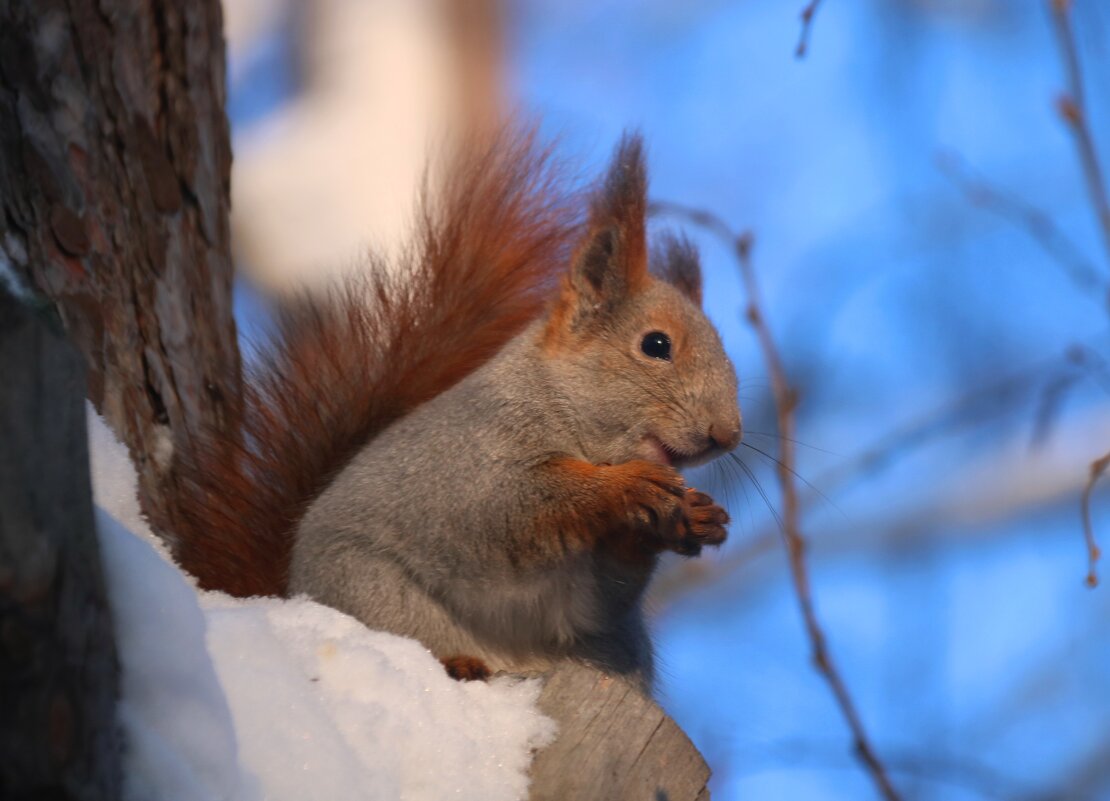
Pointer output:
486, 255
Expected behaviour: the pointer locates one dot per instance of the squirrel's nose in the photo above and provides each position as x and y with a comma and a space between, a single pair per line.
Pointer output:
725, 437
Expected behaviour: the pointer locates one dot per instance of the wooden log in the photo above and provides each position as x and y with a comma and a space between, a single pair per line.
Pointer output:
613, 744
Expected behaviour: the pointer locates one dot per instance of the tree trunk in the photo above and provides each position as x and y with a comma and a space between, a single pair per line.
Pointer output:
114, 195
58, 670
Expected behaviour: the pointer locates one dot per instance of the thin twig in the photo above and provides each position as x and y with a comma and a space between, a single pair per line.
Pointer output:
1072, 107
786, 400
1098, 467
1080, 361
1035, 222
1049, 405
933, 766
807, 22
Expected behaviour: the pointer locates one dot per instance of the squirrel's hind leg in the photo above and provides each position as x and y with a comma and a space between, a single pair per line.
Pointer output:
466, 668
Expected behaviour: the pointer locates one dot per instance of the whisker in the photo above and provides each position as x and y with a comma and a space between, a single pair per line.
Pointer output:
759, 488
793, 441
796, 475
738, 480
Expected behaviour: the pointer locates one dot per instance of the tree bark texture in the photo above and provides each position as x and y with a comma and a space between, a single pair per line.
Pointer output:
114, 196
58, 669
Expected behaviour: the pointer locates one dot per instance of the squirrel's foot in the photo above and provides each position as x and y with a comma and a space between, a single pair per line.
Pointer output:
703, 523
466, 668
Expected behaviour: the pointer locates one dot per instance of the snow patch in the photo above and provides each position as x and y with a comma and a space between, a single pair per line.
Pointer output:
180, 738
330, 710
264, 698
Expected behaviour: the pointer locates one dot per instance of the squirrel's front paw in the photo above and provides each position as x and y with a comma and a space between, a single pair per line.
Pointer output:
702, 523
653, 494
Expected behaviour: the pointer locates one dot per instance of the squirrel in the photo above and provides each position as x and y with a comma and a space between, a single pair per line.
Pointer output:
479, 447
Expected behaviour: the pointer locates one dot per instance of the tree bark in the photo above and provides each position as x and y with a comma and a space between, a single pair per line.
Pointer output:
58, 669
114, 196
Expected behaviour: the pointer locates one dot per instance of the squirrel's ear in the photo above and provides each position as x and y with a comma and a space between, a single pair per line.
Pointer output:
611, 262
675, 260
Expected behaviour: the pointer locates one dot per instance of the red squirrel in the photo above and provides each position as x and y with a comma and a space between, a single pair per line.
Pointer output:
478, 448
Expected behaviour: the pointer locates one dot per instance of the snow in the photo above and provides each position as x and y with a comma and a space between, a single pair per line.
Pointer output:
264, 698
348, 713
180, 735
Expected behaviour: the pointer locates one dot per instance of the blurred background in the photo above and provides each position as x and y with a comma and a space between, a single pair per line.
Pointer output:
936, 277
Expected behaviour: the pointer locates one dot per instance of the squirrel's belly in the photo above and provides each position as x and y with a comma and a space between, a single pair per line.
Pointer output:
514, 625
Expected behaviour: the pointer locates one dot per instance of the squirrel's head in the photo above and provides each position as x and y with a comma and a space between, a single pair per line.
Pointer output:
644, 369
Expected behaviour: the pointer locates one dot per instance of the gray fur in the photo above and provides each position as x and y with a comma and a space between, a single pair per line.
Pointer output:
415, 536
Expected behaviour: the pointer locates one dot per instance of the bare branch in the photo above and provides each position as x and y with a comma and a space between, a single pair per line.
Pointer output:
1098, 467
934, 766
1028, 217
786, 400
1080, 362
1072, 107
807, 21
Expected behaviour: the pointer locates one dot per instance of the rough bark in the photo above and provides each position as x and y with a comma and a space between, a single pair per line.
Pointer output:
114, 195
613, 744
58, 669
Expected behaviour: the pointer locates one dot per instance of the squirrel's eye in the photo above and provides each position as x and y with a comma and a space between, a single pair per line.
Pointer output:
657, 345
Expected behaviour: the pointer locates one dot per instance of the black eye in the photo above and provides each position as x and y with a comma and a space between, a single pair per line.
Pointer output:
657, 345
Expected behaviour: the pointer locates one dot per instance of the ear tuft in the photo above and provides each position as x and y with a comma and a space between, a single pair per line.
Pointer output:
610, 263
675, 259
624, 195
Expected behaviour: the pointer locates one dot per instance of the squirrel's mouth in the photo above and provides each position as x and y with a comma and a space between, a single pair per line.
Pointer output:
656, 450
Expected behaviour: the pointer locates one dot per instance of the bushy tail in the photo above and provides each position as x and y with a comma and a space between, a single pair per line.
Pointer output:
486, 254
